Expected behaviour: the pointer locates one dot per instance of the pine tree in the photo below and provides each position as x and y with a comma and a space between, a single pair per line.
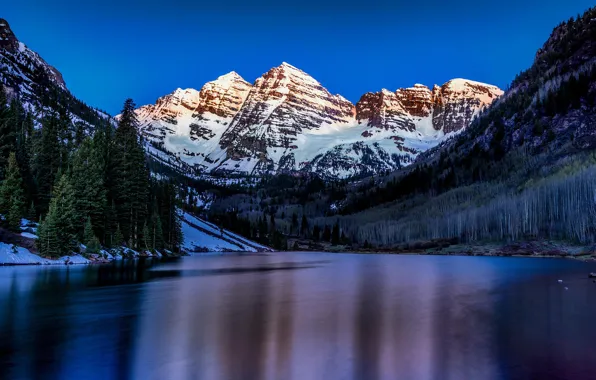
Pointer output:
94, 246
32, 212
272, 226
111, 224
90, 240
103, 141
7, 130
48, 242
64, 135
304, 226
24, 155
118, 238
46, 162
88, 235
294, 223
335, 234
87, 181
59, 228
316, 232
177, 235
147, 241
327, 233
157, 231
11, 194
131, 176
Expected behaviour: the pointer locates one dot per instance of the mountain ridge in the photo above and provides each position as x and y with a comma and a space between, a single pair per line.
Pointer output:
273, 128
39, 85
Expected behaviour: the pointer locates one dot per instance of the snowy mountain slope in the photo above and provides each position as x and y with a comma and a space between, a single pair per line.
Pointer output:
39, 85
202, 236
190, 123
287, 121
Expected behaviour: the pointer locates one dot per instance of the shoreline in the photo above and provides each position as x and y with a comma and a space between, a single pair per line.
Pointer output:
444, 247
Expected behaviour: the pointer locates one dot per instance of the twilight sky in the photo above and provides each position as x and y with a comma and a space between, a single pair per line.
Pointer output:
109, 50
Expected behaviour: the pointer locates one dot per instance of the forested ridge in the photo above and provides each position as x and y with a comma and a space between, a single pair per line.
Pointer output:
84, 186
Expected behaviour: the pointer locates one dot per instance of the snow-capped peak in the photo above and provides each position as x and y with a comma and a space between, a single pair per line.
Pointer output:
460, 84
287, 65
228, 78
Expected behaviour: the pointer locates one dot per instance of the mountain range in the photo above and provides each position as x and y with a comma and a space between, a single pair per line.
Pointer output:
286, 121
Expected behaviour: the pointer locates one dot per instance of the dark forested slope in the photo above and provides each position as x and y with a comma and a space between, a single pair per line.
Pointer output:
524, 168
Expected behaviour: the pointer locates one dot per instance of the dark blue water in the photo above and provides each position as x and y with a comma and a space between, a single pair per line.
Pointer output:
301, 316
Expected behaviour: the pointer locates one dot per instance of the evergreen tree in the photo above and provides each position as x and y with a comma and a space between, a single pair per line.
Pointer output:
7, 130
59, 225
47, 238
169, 219
87, 181
89, 239
111, 224
46, 162
11, 194
24, 155
304, 226
327, 233
157, 232
316, 232
32, 212
335, 234
103, 140
130, 176
88, 235
118, 238
94, 246
64, 136
177, 235
294, 223
272, 227
147, 241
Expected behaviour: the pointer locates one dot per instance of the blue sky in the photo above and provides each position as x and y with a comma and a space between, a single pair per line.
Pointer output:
110, 50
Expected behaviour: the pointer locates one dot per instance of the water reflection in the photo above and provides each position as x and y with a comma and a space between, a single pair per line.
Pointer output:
300, 316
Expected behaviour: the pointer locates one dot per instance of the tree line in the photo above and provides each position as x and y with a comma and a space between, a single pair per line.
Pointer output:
89, 186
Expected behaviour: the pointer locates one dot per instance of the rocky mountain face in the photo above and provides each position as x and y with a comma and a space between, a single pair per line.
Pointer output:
286, 121
281, 105
192, 113
40, 86
450, 107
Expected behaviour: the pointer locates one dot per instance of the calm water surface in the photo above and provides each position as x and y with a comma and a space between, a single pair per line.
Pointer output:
301, 316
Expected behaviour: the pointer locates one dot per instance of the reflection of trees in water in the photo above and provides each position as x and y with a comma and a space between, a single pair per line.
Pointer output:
9, 320
368, 321
47, 326
360, 318
52, 329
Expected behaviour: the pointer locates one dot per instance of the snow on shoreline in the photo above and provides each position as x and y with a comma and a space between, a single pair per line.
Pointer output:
22, 256
199, 236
